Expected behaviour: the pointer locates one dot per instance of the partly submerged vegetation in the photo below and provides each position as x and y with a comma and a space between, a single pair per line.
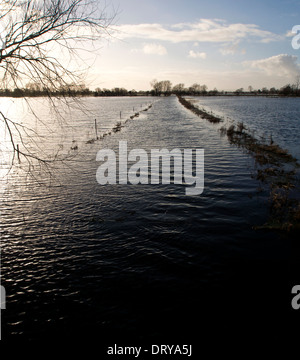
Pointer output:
203, 114
276, 168
118, 126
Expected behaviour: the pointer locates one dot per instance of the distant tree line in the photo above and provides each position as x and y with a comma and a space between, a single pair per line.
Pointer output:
119, 92
286, 90
165, 88
36, 90
159, 88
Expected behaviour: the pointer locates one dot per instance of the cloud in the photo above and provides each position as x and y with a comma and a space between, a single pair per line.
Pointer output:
154, 49
205, 30
199, 55
289, 33
151, 49
278, 65
293, 31
231, 49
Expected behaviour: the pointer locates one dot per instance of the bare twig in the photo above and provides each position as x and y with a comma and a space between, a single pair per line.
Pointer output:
32, 30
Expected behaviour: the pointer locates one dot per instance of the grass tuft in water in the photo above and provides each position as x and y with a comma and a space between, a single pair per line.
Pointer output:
203, 114
276, 168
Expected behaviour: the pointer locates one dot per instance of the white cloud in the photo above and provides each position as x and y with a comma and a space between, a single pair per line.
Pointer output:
279, 65
138, 76
155, 49
289, 33
205, 30
199, 55
231, 49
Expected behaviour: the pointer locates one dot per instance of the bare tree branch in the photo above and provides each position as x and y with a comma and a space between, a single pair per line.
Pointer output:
32, 32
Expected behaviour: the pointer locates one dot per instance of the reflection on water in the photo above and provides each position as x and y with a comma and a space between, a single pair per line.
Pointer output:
136, 261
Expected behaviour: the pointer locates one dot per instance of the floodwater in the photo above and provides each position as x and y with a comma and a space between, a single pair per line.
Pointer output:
265, 117
140, 263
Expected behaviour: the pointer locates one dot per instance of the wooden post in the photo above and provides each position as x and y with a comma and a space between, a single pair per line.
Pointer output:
96, 129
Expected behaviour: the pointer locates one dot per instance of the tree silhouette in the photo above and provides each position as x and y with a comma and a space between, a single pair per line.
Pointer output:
31, 33
161, 87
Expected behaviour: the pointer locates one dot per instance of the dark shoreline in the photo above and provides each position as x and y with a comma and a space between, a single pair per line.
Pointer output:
146, 93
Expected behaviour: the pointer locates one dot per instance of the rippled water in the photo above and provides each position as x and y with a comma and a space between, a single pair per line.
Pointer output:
138, 262
264, 116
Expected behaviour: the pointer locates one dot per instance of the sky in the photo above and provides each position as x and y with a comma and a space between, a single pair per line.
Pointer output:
226, 44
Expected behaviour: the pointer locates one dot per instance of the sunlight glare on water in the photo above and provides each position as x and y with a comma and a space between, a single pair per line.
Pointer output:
111, 259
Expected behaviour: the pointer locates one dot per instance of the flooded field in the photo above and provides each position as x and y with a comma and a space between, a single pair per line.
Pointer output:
141, 262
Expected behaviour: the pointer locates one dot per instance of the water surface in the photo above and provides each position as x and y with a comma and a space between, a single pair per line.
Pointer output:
138, 262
